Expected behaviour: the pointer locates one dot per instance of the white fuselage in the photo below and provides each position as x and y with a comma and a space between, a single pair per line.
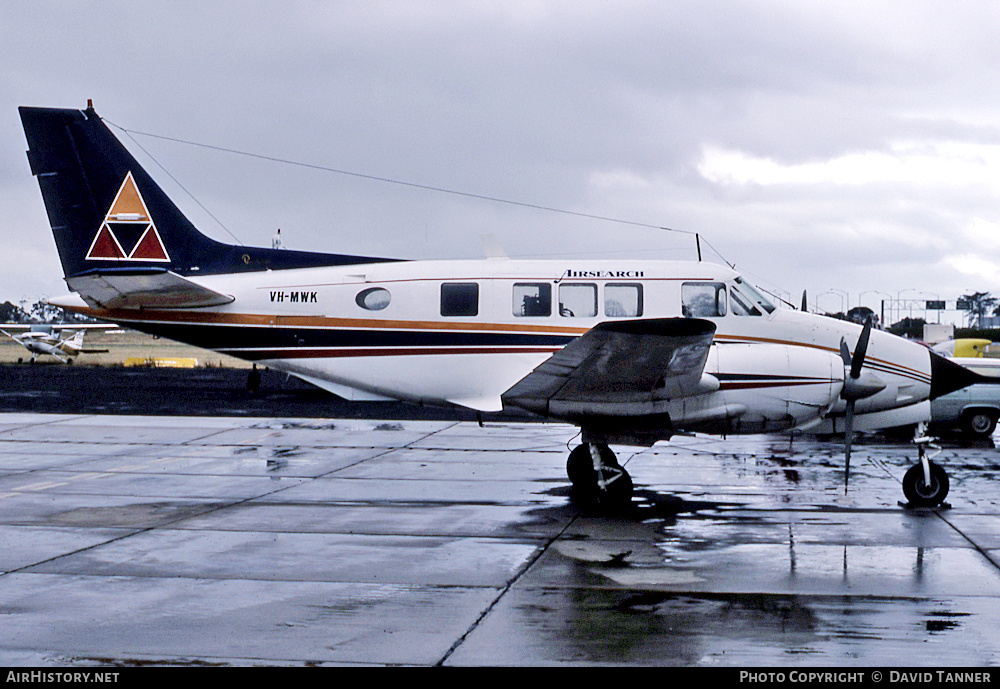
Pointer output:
464, 332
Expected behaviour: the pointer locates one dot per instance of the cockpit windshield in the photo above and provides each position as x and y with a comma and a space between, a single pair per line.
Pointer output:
746, 300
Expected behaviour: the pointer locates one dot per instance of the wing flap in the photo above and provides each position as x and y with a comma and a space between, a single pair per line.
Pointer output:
620, 368
133, 289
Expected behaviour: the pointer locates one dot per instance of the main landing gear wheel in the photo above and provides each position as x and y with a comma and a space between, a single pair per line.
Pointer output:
923, 493
597, 477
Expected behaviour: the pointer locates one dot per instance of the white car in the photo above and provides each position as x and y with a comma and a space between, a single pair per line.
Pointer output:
974, 409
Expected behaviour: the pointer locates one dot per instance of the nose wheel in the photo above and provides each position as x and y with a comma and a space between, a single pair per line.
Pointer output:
597, 477
925, 484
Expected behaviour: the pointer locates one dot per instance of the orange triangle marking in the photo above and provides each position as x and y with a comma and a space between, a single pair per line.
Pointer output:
105, 246
128, 202
150, 248
129, 216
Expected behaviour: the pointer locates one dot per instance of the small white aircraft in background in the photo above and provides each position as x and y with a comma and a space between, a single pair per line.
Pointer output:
62, 342
632, 352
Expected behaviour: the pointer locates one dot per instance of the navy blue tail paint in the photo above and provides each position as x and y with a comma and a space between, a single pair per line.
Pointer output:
81, 167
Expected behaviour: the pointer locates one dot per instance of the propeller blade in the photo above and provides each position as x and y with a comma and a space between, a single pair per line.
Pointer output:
858, 360
845, 353
851, 392
848, 438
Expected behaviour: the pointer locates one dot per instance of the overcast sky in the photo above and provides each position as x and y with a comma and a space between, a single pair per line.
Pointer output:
848, 148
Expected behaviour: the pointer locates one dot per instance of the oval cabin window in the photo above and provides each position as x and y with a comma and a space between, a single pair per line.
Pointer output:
374, 299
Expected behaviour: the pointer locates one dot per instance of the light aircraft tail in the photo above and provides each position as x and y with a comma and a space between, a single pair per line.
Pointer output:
73, 345
110, 218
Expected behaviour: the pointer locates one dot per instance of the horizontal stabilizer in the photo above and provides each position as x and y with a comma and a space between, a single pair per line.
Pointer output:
144, 289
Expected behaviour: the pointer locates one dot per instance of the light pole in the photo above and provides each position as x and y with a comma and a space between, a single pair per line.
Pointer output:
899, 298
845, 303
834, 292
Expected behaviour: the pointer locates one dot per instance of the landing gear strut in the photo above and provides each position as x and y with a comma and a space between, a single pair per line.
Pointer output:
597, 477
925, 484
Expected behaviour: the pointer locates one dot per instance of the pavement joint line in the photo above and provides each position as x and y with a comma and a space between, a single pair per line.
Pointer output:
51, 421
978, 548
164, 524
148, 529
505, 589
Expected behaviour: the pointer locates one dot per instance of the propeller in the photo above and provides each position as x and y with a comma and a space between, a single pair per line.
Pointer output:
857, 385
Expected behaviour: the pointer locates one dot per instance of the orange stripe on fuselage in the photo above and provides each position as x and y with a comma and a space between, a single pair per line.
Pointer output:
228, 318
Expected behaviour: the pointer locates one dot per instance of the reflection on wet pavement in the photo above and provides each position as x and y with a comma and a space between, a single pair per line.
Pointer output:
290, 541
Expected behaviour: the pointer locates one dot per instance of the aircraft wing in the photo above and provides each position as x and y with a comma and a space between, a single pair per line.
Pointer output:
153, 289
620, 368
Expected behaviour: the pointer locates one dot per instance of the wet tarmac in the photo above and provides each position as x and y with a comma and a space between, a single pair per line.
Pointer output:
175, 518
200, 540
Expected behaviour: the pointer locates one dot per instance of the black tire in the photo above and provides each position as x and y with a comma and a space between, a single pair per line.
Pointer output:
920, 494
618, 488
980, 423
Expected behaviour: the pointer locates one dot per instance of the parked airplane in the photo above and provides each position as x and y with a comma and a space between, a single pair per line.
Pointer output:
632, 352
64, 343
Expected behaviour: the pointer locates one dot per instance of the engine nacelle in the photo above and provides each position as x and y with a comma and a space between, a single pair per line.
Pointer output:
763, 388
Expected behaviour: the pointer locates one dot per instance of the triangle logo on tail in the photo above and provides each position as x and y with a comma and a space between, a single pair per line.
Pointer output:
128, 232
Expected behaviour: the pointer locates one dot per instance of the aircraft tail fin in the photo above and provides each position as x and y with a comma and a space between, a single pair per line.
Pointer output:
74, 343
109, 216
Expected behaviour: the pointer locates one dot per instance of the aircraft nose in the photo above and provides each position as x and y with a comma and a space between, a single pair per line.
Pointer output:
947, 376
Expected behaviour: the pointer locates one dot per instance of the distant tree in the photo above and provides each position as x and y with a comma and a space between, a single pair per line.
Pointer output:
40, 312
977, 305
912, 328
9, 313
45, 313
862, 314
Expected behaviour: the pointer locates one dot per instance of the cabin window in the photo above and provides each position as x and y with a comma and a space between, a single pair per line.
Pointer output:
373, 298
578, 300
460, 299
703, 299
532, 299
623, 300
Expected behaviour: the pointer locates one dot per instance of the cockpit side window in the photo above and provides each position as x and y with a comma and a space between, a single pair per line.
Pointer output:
753, 296
740, 305
703, 299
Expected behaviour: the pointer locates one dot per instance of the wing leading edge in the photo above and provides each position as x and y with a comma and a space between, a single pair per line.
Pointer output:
620, 372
